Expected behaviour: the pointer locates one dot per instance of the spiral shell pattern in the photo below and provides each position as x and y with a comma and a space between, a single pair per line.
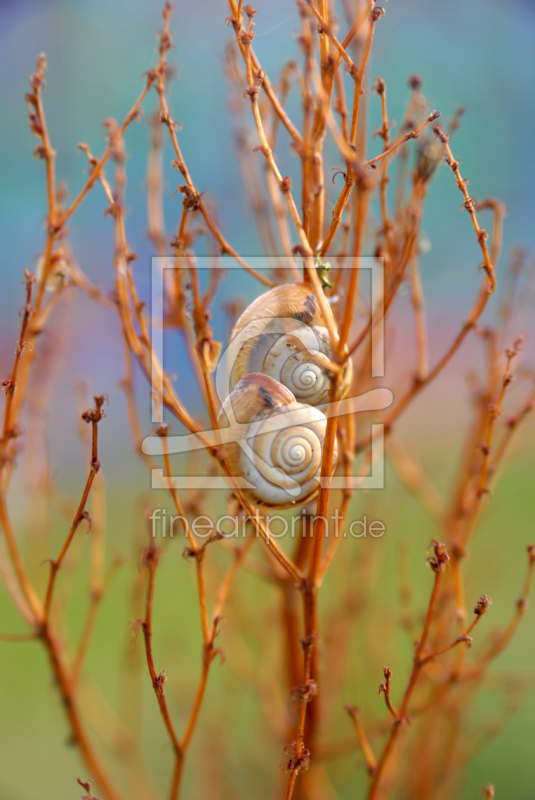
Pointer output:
282, 334
275, 443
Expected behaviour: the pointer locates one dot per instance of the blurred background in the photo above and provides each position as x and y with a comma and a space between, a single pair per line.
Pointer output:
480, 55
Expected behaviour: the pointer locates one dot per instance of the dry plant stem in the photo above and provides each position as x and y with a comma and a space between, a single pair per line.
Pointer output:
512, 427
353, 167
24, 583
281, 219
288, 565
498, 209
39, 128
10, 384
54, 650
341, 105
323, 500
94, 416
208, 656
150, 560
347, 494
310, 588
251, 175
470, 207
462, 639
66, 690
414, 211
414, 134
467, 526
307, 690
307, 46
418, 304
44, 150
196, 552
47, 151
369, 758
266, 85
202, 345
181, 165
273, 547
326, 28
477, 672
438, 566
284, 183
96, 172
338, 213
209, 653
312, 275
97, 593
133, 419
521, 608
155, 205
119, 739
224, 589
140, 345
384, 132
313, 150
18, 637
358, 77
385, 689
354, 276
494, 411
333, 543
418, 385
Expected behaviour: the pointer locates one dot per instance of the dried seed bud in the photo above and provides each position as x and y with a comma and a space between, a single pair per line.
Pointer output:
441, 135
440, 560
379, 86
482, 604
159, 683
286, 185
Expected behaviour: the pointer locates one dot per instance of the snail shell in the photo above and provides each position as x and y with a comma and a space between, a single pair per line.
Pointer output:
282, 334
275, 443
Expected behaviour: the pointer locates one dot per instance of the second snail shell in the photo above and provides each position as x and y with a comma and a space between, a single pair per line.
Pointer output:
274, 442
283, 334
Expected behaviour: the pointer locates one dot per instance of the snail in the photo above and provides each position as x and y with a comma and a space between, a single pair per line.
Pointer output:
275, 443
283, 334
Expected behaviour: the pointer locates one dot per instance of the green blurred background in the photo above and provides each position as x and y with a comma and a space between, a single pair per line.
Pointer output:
479, 55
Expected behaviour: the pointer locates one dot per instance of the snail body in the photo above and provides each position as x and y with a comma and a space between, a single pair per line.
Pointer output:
275, 443
283, 334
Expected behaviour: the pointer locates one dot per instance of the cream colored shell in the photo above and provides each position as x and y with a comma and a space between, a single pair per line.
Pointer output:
274, 442
282, 334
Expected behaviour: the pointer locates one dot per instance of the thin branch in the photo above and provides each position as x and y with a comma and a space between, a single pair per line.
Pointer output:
371, 763
299, 755
160, 73
470, 206
93, 416
438, 563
